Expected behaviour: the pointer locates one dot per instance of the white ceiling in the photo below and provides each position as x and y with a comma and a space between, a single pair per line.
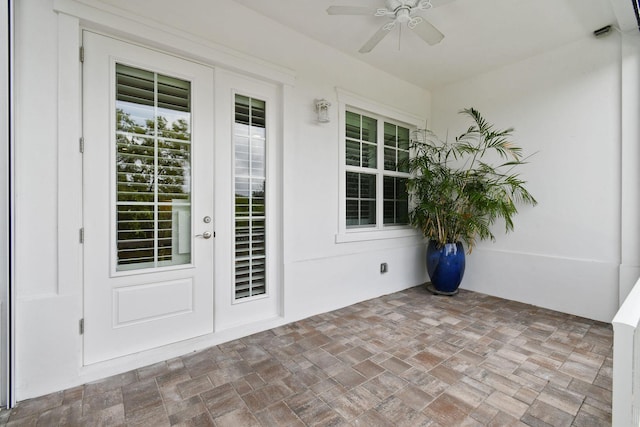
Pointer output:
479, 34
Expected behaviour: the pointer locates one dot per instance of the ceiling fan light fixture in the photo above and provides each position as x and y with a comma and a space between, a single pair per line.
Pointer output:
403, 15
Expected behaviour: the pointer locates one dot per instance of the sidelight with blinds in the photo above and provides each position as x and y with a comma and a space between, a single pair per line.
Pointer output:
249, 140
153, 169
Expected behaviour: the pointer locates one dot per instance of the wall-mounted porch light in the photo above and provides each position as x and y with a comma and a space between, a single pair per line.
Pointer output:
322, 110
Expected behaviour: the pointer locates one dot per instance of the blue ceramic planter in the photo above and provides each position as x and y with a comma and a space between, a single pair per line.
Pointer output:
445, 266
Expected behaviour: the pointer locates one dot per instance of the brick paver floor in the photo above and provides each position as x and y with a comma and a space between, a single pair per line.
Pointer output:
405, 359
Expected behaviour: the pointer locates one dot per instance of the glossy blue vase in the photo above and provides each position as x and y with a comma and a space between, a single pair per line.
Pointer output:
445, 266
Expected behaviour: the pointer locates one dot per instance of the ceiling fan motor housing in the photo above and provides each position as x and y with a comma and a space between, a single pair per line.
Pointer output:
401, 11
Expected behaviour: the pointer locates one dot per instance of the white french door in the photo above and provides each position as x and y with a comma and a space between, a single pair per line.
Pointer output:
147, 198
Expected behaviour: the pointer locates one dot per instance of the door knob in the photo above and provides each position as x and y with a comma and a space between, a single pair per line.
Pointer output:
206, 235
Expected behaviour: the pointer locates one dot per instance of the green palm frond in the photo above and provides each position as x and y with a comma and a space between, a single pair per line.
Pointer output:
458, 192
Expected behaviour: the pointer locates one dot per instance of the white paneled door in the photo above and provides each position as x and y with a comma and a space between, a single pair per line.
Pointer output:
148, 198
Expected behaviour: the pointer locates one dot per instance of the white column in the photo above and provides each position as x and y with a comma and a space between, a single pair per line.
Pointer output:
5, 193
630, 139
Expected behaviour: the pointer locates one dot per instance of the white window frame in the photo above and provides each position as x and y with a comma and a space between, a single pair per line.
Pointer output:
348, 101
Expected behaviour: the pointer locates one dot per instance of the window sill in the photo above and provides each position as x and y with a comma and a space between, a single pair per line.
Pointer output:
369, 234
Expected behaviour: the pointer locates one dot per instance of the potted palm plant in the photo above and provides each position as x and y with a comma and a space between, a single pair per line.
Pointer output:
458, 190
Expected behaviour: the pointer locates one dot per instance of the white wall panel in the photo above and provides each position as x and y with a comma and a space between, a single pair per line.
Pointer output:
35, 92
586, 288
565, 108
240, 41
325, 284
564, 104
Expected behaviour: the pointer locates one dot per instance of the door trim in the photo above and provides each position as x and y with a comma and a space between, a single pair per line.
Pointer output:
7, 197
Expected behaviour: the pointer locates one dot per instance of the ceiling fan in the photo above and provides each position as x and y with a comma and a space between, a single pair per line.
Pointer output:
399, 11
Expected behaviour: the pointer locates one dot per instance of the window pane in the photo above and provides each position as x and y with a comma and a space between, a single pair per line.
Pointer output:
396, 204
390, 135
353, 185
389, 159
135, 95
353, 213
174, 94
361, 199
174, 170
403, 161
389, 212
241, 144
242, 111
396, 153
403, 138
352, 125
389, 187
249, 141
136, 234
153, 165
367, 212
174, 125
257, 156
258, 113
367, 186
135, 165
361, 144
401, 189
352, 155
402, 213
369, 129
369, 155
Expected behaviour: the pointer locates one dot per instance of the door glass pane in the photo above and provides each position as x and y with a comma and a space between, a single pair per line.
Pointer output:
250, 148
153, 169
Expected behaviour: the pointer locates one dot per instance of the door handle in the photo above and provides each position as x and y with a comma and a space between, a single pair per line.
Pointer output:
206, 235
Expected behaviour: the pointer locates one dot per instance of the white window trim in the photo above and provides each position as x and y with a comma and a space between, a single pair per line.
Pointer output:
273, 182
348, 100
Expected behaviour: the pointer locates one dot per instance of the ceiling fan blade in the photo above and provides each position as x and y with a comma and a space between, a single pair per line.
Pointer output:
376, 38
427, 32
350, 10
438, 3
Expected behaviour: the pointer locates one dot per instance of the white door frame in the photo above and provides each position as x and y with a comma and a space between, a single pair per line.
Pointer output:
6, 205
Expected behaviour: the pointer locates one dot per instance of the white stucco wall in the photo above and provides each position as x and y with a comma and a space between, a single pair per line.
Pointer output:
317, 273
565, 106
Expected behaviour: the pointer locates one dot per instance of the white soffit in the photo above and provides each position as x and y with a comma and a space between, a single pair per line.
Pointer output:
479, 35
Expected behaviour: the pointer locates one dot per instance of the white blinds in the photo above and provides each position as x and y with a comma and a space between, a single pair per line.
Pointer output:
249, 141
